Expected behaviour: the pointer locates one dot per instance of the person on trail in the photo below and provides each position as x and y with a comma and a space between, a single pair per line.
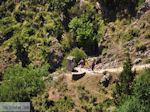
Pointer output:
93, 64
82, 63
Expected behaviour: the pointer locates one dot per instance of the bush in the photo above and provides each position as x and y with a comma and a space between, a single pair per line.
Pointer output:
60, 5
139, 101
130, 34
141, 87
20, 84
140, 3
147, 35
78, 54
84, 33
133, 104
67, 42
130, 105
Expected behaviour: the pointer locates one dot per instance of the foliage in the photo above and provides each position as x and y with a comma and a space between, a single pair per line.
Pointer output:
85, 32
20, 84
82, 28
124, 84
130, 105
139, 101
147, 34
130, 34
78, 54
67, 41
140, 3
141, 87
42, 103
60, 5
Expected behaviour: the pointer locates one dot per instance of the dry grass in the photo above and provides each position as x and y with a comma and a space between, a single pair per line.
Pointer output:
91, 86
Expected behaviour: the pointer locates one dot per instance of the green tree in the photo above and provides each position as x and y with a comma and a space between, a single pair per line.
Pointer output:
139, 100
84, 34
124, 84
21, 84
62, 6
141, 88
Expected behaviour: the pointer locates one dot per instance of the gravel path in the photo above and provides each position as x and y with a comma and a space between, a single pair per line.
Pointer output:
111, 70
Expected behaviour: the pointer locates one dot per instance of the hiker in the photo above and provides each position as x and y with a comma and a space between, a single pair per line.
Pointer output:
93, 64
82, 63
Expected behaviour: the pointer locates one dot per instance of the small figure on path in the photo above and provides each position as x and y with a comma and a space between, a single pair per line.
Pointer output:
82, 63
93, 64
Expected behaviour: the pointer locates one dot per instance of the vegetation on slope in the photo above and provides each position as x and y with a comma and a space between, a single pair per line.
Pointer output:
36, 36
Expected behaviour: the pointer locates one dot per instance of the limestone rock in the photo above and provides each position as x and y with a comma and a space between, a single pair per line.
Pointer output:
137, 61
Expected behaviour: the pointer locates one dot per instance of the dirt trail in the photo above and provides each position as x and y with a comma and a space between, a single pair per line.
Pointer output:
111, 70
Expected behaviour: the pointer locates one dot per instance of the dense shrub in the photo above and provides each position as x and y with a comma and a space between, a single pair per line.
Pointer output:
60, 5
140, 3
20, 84
84, 33
130, 105
139, 101
130, 34
78, 54
67, 42
141, 88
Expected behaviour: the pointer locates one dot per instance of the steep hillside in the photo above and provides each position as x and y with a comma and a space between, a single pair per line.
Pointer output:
37, 36
55, 27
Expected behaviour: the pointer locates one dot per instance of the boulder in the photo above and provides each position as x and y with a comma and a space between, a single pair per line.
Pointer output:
77, 75
137, 61
98, 60
106, 79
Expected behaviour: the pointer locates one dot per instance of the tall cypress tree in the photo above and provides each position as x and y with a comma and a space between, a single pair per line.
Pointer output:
124, 84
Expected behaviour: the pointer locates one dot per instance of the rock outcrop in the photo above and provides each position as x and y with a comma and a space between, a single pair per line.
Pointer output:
144, 8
